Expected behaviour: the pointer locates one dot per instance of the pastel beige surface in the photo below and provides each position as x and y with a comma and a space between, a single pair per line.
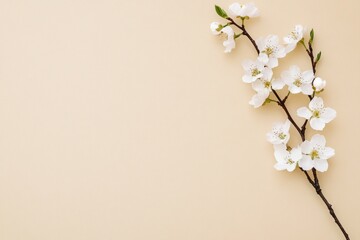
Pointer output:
125, 120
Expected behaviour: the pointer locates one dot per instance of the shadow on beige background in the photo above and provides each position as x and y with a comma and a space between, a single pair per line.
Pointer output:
125, 120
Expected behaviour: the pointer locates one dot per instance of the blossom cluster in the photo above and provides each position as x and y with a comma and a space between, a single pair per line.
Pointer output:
259, 74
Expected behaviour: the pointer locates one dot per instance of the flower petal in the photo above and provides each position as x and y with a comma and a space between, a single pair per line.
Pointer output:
327, 153
316, 104
321, 165
296, 154
306, 147
280, 166
306, 163
277, 84
328, 114
317, 124
307, 89
291, 167
258, 99
318, 139
304, 112
308, 76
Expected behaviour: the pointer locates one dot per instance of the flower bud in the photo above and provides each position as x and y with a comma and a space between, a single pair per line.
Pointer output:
319, 84
215, 28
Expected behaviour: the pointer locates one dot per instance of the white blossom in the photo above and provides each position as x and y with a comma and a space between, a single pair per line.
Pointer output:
298, 81
243, 10
263, 87
317, 113
270, 50
315, 154
294, 37
319, 84
279, 133
253, 70
286, 160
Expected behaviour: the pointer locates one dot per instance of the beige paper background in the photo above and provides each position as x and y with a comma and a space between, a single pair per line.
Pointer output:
125, 120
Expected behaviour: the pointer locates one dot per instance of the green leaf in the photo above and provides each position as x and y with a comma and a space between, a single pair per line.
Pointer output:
220, 12
318, 56
311, 36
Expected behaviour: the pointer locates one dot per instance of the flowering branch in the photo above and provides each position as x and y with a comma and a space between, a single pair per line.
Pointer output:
309, 155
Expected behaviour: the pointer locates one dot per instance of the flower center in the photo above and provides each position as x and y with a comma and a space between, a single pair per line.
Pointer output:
314, 154
255, 72
297, 82
316, 113
282, 136
267, 84
293, 35
290, 161
268, 51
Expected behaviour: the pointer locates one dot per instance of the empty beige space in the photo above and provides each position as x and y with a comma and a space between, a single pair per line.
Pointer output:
125, 120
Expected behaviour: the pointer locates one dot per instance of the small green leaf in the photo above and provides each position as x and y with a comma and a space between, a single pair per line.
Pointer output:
220, 12
318, 56
311, 36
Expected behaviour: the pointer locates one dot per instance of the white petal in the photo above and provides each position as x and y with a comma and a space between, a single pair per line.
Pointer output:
296, 154
304, 112
308, 76
280, 155
328, 114
273, 62
258, 99
280, 166
277, 84
279, 147
248, 79
306, 163
291, 167
316, 103
318, 139
317, 124
321, 165
294, 89
258, 85
306, 147
234, 9
267, 73
290, 47
294, 70
263, 58
261, 43
327, 153
247, 64
307, 89
286, 126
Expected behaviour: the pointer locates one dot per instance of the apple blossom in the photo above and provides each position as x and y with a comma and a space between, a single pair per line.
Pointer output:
270, 50
317, 113
279, 133
215, 28
263, 87
319, 84
243, 10
253, 70
286, 160
298, 81
315, 154
294, 37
